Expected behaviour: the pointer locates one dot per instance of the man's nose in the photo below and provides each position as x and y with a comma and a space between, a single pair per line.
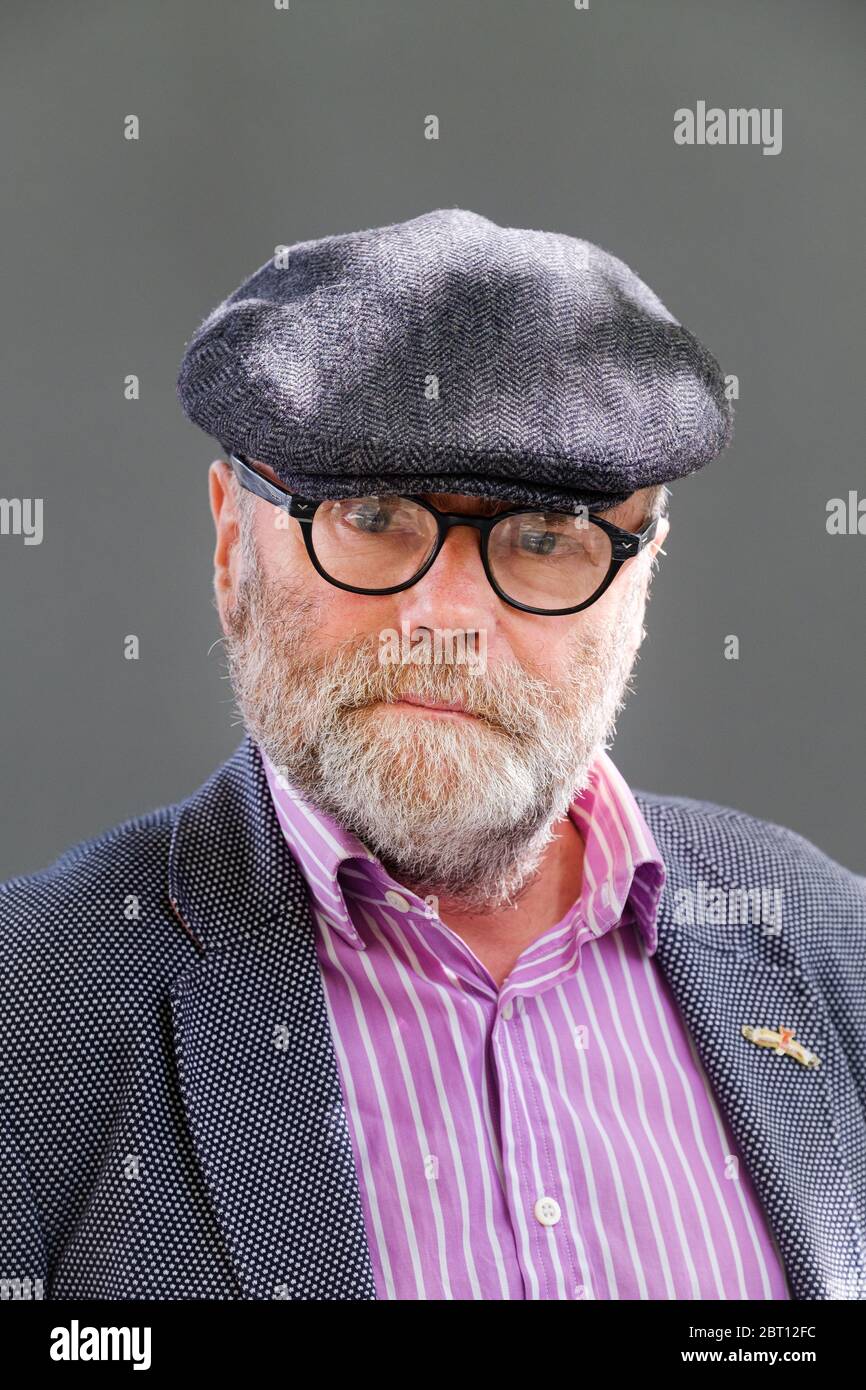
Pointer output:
455, 591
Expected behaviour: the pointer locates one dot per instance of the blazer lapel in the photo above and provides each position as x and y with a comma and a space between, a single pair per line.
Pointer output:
784, 1116
257, 1071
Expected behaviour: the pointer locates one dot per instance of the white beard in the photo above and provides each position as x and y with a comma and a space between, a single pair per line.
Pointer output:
460, 808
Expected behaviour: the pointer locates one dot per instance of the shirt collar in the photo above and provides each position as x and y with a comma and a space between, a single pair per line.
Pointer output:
623, 869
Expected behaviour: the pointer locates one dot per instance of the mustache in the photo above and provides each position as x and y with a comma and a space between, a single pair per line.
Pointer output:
505, 697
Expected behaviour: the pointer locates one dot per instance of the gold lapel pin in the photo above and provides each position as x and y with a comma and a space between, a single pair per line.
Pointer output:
782, 1041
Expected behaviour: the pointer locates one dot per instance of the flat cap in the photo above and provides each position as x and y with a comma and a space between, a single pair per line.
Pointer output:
448, 354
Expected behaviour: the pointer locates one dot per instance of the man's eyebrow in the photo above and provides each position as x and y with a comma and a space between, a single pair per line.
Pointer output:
493, 506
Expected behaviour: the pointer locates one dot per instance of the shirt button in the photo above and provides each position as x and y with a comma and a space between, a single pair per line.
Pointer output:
396, 900
507, 1009
547, 1211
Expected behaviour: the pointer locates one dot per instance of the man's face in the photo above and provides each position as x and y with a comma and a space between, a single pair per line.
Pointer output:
458, 804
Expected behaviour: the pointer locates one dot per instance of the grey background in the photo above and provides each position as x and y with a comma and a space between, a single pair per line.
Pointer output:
261, 127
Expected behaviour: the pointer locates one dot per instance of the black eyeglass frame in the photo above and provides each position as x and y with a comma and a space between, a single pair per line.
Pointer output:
625, 545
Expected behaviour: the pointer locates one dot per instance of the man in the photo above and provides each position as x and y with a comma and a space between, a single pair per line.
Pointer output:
415, 998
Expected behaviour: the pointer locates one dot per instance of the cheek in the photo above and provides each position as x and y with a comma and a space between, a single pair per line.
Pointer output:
333, 615
281, 550
551, 648
545, 646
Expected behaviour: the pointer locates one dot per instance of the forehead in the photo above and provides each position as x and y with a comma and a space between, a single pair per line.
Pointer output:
465, 502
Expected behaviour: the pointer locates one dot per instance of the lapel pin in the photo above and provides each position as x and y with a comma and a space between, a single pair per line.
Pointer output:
781, 1040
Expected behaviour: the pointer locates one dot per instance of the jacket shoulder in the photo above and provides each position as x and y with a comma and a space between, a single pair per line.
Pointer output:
743, 850
135, 844
91, 852
716, 826
97, 914
106, 904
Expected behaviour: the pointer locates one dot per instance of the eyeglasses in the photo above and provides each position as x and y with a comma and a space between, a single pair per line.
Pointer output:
546, 562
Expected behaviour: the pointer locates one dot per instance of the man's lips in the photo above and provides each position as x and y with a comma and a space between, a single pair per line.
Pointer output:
439, 709
434, 706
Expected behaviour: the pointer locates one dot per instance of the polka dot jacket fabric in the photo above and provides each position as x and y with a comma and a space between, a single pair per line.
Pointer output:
171, 1118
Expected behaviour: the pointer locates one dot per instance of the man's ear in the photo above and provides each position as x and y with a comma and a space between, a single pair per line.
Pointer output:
227, 556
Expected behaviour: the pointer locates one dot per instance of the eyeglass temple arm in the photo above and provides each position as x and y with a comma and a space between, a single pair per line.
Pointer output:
627, 544
253, 481
648, 532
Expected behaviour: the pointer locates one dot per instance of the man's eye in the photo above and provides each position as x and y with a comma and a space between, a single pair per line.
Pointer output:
368, 517
538, 542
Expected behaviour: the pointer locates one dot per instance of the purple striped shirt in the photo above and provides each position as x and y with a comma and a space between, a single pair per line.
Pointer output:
553, 1138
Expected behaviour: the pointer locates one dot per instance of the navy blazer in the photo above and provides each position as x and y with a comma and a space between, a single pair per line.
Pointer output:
171, 1116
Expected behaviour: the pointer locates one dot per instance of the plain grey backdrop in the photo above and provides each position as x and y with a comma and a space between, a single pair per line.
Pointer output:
261, 127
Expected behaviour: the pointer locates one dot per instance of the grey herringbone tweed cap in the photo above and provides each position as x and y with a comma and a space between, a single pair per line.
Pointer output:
448, 354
